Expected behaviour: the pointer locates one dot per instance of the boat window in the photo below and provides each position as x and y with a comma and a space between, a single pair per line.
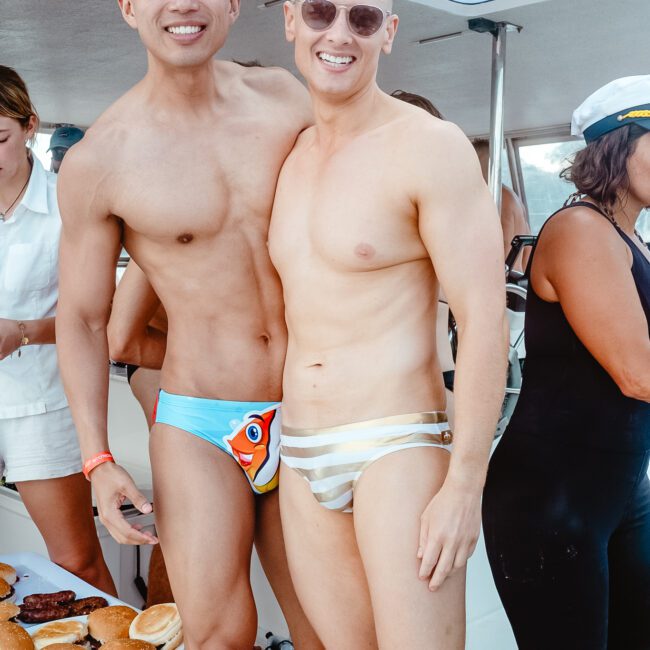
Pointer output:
643, 225
541, 164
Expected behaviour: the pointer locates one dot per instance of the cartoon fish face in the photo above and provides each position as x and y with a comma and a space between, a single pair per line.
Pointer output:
250, 442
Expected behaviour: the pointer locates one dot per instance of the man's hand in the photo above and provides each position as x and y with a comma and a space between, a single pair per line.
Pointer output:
449, 530
112, 486
10, 337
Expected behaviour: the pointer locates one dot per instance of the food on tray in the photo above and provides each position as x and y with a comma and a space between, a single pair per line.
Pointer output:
41, 608
43, 613
64, 646
8, 573
160, 625
110, 623
60, 632
56, 598
8, 611
126, 644
14, 637
7, 592
86, 605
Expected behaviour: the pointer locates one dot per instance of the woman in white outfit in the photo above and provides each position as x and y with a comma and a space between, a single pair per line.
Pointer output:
38, 442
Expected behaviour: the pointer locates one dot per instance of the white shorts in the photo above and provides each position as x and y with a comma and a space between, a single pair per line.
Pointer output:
37, 447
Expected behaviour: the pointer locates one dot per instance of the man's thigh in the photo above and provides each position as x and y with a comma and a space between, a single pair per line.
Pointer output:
205, 516
325, 566
389, 498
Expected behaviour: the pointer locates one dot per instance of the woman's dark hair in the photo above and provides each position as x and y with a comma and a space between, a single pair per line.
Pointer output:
600, 169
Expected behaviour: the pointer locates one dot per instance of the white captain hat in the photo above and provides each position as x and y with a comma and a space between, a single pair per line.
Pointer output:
619, 103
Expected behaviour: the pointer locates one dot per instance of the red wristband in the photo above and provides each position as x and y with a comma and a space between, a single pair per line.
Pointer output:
95, 461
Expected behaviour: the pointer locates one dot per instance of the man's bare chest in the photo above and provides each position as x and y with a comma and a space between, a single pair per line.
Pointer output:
354, 214
199, 185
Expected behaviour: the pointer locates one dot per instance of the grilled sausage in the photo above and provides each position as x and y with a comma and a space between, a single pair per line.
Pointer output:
42, 615
86, 605
35, 600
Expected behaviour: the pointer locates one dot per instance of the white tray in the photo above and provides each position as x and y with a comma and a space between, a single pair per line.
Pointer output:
38, 575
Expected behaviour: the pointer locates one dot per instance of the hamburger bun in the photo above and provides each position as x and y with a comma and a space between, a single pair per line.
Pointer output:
14, 637
127, 644
110, 623
8, 573
160, 625
59, 632
64, 646
7, 592
8, 611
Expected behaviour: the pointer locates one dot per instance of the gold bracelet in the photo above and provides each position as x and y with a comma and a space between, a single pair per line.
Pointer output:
24, 340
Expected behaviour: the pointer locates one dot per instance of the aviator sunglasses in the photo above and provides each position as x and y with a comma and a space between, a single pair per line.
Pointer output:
363, 20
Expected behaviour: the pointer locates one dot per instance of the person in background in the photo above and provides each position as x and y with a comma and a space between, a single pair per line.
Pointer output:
513, 213
38, 442
137, 317
566, 509
62, 139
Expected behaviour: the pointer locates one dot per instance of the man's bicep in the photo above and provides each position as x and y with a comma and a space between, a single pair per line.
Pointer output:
90, 245
461, 230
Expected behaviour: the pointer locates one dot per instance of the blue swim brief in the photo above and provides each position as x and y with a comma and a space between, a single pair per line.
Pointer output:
249, 432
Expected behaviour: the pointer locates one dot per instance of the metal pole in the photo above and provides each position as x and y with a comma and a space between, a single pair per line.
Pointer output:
496, 111
498, 32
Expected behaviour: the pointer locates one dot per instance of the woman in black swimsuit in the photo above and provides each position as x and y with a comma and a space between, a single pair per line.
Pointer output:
567, 501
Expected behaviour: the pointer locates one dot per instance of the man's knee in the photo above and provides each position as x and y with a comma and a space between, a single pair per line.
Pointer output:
229, 627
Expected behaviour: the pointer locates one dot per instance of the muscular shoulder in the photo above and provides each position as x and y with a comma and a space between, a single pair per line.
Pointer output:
436, 154
277, 88
85, 174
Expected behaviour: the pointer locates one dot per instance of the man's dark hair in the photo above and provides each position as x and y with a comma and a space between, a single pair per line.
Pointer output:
600, 169
419, 101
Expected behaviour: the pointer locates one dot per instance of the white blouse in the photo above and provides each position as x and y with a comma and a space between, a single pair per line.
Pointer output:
29, 284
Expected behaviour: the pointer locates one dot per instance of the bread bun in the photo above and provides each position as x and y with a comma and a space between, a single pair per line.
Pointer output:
14, 637
64, 646
7, 592
110, 623
160, 625
128, 644
8, 610
59, 632
8, 573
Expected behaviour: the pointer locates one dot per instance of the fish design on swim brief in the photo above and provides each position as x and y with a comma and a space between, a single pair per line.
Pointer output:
254, 444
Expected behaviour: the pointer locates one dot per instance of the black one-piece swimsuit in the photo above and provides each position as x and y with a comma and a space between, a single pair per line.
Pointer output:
566, 510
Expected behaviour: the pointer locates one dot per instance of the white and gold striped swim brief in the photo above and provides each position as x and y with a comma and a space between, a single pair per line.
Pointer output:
332, 459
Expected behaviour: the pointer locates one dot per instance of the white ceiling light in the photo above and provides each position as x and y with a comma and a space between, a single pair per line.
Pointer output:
472, 8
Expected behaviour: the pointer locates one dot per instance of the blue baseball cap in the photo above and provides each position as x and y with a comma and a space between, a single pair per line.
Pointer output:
64, 137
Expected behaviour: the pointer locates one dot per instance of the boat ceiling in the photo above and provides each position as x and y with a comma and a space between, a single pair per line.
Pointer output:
78, 57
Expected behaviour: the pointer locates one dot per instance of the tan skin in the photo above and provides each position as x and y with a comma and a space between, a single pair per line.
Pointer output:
582, 263
370, 199
70, 536
136, 334
161, 173
513, 213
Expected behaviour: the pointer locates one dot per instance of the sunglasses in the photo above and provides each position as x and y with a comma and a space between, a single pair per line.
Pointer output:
363, 20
